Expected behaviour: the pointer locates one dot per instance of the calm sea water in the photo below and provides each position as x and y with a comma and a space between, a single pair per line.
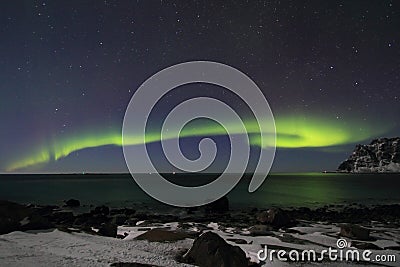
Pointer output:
286, 190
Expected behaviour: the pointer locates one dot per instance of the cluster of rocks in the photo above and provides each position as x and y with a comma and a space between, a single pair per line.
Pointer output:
16, 217
354, 213
381, 155
208, 248
100, 220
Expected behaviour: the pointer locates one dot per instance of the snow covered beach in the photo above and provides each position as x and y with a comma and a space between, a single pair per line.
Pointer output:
57, 248
69, 244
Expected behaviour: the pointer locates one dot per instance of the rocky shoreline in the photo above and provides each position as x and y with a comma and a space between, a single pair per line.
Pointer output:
355, 222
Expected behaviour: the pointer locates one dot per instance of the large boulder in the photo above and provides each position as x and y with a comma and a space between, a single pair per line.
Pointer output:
354, 231
275, 217
210, 250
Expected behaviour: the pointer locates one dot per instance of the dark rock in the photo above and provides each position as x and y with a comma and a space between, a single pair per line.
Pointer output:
129, 212
275, 217
35, 222
260, 230
365, 245
293, 231
180, 254
82, 219
91, 220
237, 240
393, 248
354, 231
119, 219
46, 210
304, 210
262, 217
62, 217
141, 216
144, 229
161, 235
97, 220
131, 221
347, 166
72, 203
287, 238
254, 210
218, 206
191, 210
253, 264
101, 210
211, 250
108, 229
124, 211
122, 236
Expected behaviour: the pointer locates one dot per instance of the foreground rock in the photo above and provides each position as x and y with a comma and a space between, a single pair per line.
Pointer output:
354, 231
210, 250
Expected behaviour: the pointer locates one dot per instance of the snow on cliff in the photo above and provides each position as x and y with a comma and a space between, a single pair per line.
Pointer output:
381, 155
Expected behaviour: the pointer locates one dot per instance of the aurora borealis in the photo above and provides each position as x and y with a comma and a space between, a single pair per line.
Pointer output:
292, 132
330, 72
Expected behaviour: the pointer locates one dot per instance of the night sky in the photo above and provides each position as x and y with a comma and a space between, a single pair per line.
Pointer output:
330, 71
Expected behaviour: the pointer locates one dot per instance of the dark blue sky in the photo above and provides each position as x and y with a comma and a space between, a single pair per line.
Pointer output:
69, 68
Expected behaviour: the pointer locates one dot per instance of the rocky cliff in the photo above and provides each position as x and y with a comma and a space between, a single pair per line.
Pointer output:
381, 155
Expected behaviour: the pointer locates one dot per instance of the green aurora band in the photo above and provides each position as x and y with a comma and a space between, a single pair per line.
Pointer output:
291, 132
